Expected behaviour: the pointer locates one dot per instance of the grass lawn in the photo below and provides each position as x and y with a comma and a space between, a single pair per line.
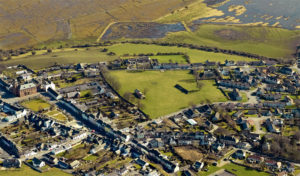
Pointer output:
54, 112
236, 169
85, 93
162, 97
35, 104
77, 152
244, 97
57, 115
173, 58
90, 158
63, 83
26, 170
60, 117
195, 55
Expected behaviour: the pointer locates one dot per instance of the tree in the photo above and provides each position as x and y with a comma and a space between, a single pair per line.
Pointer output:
88, 95
128, 96
33, 53
199, 84
192, 104
140, 105
49, 50
74, 79
104, 50
146, 90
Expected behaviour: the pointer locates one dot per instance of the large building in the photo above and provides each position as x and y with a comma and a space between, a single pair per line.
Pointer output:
24, 89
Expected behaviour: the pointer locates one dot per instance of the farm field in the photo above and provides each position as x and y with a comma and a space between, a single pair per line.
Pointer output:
195, 55
162, 97
63, 57
26, 170
173, 58
233, 168
94, 54
24, 25
265, 41
36, 104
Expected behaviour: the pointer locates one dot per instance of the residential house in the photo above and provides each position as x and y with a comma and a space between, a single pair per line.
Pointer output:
286, 70
198, 166
63, 165
74, 164
12, 163
23, 90
229, 140
255, 159
139, 94
270, 127
38, 163
234, 95
273, 165
233, 84
240, 154
154, 143
216, 117
142, 163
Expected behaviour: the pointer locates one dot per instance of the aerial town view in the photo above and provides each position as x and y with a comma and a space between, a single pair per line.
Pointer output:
150, 87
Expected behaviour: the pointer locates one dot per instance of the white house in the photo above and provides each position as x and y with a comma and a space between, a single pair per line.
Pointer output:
38, 163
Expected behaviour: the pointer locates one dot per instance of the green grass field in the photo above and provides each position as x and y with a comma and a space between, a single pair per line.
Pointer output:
195, 55
265, 41
173, 58
35, 104
26, 170
235, 169
92, 55
162, 97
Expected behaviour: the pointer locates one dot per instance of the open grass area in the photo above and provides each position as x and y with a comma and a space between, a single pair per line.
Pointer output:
77, 152
60, 117
35, 104
195, 55
66, 56
170, 58
189, 153
235, 169
85, 93
162, 97
57, 115
91, 158
265, 41
26, 170
63, 83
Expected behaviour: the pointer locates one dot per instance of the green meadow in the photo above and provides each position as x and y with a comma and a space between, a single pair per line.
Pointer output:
195, 55
162, 97
265, 41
